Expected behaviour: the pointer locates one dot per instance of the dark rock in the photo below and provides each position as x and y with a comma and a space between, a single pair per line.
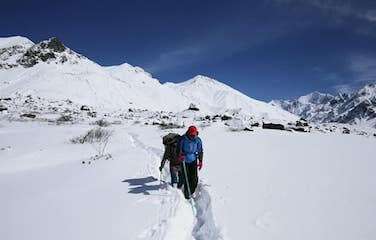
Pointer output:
56, 45
2, 108
248, 129
301, 123
225, 117
92, 114
299, 129
346, 130
255, 124
84, 108
45, 56
193, 107
63, 59
6, 99
28, 115
273, 126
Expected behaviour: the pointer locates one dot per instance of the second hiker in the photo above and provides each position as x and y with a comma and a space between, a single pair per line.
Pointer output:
171, 153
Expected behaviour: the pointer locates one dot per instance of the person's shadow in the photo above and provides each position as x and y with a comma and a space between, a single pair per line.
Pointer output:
143, 185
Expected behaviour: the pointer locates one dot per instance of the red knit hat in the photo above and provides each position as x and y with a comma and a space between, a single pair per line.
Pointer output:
192, 131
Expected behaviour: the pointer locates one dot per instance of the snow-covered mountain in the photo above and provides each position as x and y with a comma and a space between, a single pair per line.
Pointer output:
358, 107
51, 70
215, 97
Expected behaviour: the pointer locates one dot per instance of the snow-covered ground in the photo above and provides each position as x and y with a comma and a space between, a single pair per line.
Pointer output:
47, 193
265, 184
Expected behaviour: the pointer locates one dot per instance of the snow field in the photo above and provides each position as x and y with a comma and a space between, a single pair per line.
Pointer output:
265, 184
49, 193
280, 185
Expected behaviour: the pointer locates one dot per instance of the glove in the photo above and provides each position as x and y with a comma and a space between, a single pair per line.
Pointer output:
199, 165
181, 158
160, 168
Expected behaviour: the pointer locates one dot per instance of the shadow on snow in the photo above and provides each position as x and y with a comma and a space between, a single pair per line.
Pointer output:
144, 185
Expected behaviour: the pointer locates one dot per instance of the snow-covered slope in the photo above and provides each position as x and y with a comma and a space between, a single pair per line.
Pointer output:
11, 49
283, 189
358, 107
213, 96
51, 70
8, 42
147, 91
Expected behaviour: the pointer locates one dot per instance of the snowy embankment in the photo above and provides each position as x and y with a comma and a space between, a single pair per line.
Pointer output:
254, 185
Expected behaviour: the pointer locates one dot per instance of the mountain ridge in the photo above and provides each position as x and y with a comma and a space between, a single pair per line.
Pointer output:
358, 107
52, 70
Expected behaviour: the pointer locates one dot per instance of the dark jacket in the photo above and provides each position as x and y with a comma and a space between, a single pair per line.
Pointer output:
171, 154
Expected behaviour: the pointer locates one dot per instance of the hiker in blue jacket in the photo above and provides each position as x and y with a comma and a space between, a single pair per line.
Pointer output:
191, 156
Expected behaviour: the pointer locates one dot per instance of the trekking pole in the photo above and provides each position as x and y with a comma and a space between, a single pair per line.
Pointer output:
186, 179
160, 178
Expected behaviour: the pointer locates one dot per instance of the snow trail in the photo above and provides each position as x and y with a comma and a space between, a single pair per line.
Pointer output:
175, 217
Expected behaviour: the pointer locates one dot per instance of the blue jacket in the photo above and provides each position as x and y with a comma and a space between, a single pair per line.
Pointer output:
190, 148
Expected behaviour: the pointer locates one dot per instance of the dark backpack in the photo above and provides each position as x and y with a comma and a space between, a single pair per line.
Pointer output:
171, 141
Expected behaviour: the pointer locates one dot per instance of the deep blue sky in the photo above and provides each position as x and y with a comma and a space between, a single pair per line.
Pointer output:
267, 49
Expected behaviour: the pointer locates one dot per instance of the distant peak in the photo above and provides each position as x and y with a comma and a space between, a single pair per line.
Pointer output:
125, 65
6, 42
316, 93
315, 97
201, 79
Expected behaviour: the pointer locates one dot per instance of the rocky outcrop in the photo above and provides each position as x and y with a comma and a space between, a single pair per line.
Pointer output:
276, 126
52, 50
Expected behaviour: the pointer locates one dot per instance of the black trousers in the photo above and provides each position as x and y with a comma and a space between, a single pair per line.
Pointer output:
192, 177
